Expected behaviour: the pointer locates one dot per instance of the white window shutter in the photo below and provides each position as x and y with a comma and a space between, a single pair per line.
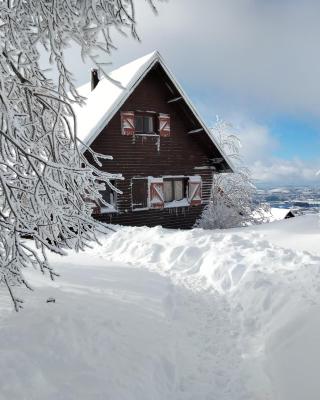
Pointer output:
195, 190
156, 193
127, 123
164, 125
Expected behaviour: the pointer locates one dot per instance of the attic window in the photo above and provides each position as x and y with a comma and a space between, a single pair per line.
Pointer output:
144, 124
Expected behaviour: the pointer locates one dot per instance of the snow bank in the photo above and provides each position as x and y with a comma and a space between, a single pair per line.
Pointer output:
299, 233
118, 333
106, 337
272, 291
166, 314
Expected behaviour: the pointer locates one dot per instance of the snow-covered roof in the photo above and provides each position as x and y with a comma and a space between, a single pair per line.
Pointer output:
278, 214
105, 100
273, 214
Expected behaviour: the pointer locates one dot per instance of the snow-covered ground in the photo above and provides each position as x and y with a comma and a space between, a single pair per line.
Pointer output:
299, 233
165, 314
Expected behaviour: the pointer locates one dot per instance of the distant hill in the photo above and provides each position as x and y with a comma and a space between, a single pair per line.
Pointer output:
303, 199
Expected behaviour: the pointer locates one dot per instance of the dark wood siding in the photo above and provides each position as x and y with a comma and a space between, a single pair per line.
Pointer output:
142, 156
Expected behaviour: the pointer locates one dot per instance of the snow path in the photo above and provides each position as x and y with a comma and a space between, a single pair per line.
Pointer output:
269, 291
166, 314
118, 333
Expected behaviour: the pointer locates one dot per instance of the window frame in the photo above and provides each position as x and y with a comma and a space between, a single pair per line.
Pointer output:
162, 204
172, 180
144, 115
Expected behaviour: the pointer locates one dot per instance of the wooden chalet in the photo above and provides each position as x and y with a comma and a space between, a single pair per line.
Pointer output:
159, 143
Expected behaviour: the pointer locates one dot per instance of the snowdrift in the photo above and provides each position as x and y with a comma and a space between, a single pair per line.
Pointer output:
167, 314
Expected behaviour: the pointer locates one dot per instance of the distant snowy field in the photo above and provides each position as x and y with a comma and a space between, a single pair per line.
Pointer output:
173, 315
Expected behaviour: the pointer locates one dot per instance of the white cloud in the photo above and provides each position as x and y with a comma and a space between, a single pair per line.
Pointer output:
260, 56
284, 172
257, 53
258, 144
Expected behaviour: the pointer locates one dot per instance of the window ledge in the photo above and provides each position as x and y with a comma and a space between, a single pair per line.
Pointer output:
177, 203
108, 210
147, 134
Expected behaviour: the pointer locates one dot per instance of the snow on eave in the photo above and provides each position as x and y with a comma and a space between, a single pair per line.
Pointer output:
151, 60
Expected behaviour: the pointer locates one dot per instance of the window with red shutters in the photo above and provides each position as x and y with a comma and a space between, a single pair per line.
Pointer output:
145, 123
166, 192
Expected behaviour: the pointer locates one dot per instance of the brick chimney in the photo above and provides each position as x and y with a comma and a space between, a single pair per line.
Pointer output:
94, 78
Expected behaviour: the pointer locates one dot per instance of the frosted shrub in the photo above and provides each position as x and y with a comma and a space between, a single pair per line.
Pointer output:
232, 194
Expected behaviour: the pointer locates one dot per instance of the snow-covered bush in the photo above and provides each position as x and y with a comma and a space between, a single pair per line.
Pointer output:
47, 186
232, 195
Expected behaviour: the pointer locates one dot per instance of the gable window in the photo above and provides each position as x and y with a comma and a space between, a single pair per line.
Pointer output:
174, 189
144, 124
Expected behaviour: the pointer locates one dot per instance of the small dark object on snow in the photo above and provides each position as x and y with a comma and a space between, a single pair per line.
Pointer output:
51, 300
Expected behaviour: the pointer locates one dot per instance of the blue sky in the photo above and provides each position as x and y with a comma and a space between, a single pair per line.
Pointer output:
297, 137
255, 63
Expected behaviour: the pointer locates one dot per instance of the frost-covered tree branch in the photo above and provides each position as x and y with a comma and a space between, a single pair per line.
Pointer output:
232, 196
47, 186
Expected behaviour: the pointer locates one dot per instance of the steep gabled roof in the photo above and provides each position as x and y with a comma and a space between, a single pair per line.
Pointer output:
108, 96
